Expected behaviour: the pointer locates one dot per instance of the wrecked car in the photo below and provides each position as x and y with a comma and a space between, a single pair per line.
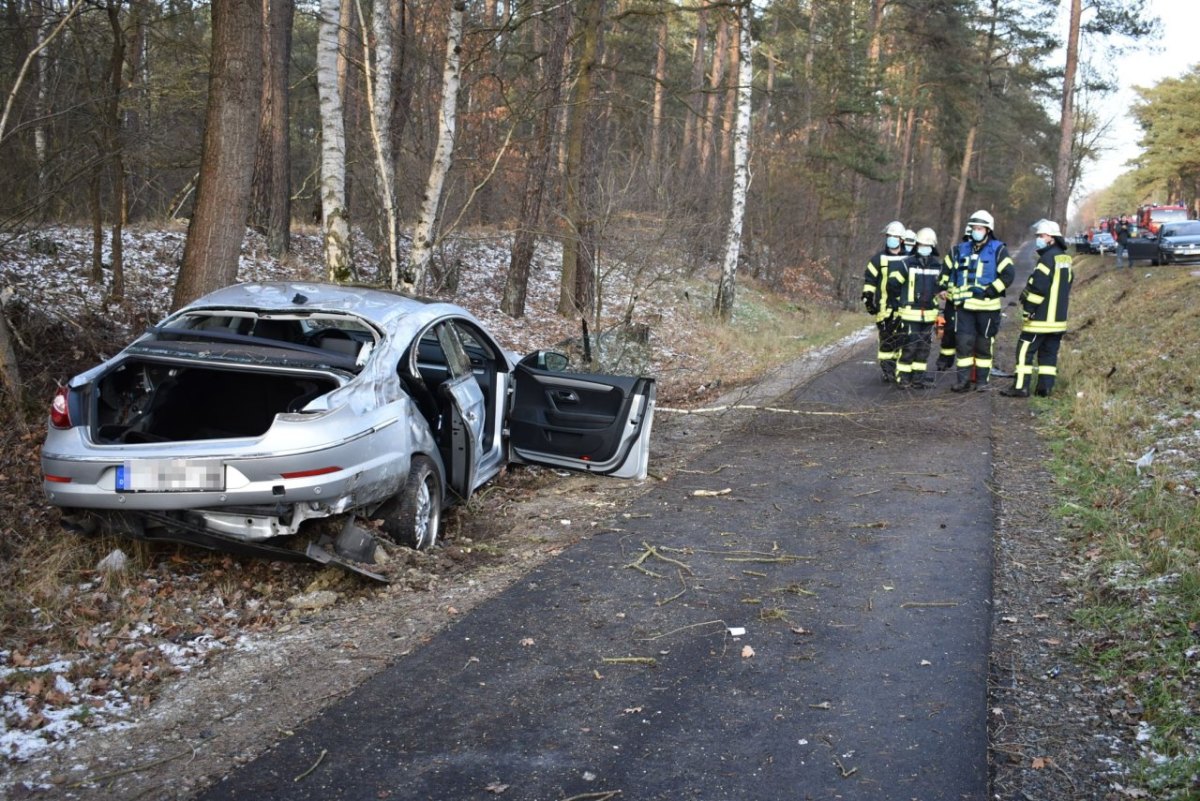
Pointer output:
261, 406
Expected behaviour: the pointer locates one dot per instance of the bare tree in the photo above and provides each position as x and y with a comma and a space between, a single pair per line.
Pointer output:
379, 101
516, 283
335, 217
423, 235
576, 256
272, 186
218, 226
1062, 165
741, 169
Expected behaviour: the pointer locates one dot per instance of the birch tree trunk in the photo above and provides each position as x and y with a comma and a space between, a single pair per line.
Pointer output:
335, 218
1062, 166
741, 173
423, 236
379, 98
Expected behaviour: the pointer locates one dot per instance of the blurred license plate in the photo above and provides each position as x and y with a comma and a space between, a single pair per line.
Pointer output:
170, 475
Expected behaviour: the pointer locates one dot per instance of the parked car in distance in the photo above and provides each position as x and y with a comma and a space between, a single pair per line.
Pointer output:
1104, 242
1178, 242
262, 406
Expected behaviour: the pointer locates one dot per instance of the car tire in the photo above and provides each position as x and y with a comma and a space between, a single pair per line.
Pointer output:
413, 516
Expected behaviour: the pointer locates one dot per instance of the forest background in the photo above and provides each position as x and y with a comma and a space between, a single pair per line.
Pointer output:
775, 137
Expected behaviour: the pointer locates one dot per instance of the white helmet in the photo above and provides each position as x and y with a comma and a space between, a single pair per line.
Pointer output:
1047, 228
981, 217
926, 236
894, 228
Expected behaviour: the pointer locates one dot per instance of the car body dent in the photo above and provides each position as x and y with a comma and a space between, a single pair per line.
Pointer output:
379, 425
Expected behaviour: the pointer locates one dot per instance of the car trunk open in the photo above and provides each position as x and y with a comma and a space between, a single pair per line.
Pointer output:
147, 401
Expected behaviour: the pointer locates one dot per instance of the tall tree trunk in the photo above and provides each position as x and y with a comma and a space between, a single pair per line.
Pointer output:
716, 78
731, 98
41, 24
574, 254
690, 152
516, 284
660, 91
1062, 166
218, 226
741, 173
964, 172
272, 205
335, 217
113, 141
424, 234
905, 160
379, 98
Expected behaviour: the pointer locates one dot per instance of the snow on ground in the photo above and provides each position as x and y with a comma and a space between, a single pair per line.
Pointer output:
47, 699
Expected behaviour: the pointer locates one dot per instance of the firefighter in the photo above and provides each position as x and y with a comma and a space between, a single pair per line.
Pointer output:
981, 274
874, 296
945, 360
1043, 314
914, 287
910, 241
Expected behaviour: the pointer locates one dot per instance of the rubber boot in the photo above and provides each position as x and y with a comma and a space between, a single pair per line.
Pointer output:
964, 380
982, 379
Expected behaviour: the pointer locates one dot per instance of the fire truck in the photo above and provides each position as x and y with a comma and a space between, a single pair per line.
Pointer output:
1150, 218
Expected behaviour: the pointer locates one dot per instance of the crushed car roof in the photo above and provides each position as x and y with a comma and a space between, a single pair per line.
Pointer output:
376, 305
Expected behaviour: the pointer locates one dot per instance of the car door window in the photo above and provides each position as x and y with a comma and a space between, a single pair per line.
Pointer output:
457, 361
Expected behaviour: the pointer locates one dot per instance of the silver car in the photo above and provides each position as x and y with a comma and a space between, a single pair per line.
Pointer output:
261, 406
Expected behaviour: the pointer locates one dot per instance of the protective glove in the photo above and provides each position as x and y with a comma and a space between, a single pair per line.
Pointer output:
977, 292
990, 293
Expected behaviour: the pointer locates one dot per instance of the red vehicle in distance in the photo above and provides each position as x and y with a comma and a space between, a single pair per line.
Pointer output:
1150, 218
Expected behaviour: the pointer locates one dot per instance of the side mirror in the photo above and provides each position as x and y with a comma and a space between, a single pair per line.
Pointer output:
550, 360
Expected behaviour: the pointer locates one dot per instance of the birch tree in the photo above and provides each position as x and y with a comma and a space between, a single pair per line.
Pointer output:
424, 235
335, 217
379, 99
741, 170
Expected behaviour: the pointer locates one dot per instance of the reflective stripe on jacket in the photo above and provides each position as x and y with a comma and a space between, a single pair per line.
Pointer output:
981, 274
915, 286
1047, 293
875, 279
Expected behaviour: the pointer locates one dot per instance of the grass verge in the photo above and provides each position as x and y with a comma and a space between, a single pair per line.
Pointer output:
1128, 376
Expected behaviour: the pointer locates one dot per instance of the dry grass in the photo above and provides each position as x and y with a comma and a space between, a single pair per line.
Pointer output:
1128, 383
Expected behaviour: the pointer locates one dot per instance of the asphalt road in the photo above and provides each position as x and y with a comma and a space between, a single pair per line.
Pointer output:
816, 628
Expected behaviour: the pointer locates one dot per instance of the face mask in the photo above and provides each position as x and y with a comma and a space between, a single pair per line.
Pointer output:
924, 250
1042, 244
978, 235
893, 242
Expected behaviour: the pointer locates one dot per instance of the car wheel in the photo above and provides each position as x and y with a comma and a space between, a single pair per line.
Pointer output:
413, 516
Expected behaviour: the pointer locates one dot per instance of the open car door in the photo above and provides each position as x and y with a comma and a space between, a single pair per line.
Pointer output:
581, 421
1142, 247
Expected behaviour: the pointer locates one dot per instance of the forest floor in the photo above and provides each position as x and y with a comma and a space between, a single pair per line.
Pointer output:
150, 682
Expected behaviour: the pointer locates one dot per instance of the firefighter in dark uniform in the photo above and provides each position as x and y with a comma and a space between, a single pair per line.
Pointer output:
981, 274
913, 290
945, 360
874, 296
1043, 313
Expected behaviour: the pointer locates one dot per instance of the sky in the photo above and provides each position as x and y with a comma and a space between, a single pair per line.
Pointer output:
1144, 64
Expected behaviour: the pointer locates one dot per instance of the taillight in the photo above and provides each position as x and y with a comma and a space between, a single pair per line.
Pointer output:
320, 471
60, 410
